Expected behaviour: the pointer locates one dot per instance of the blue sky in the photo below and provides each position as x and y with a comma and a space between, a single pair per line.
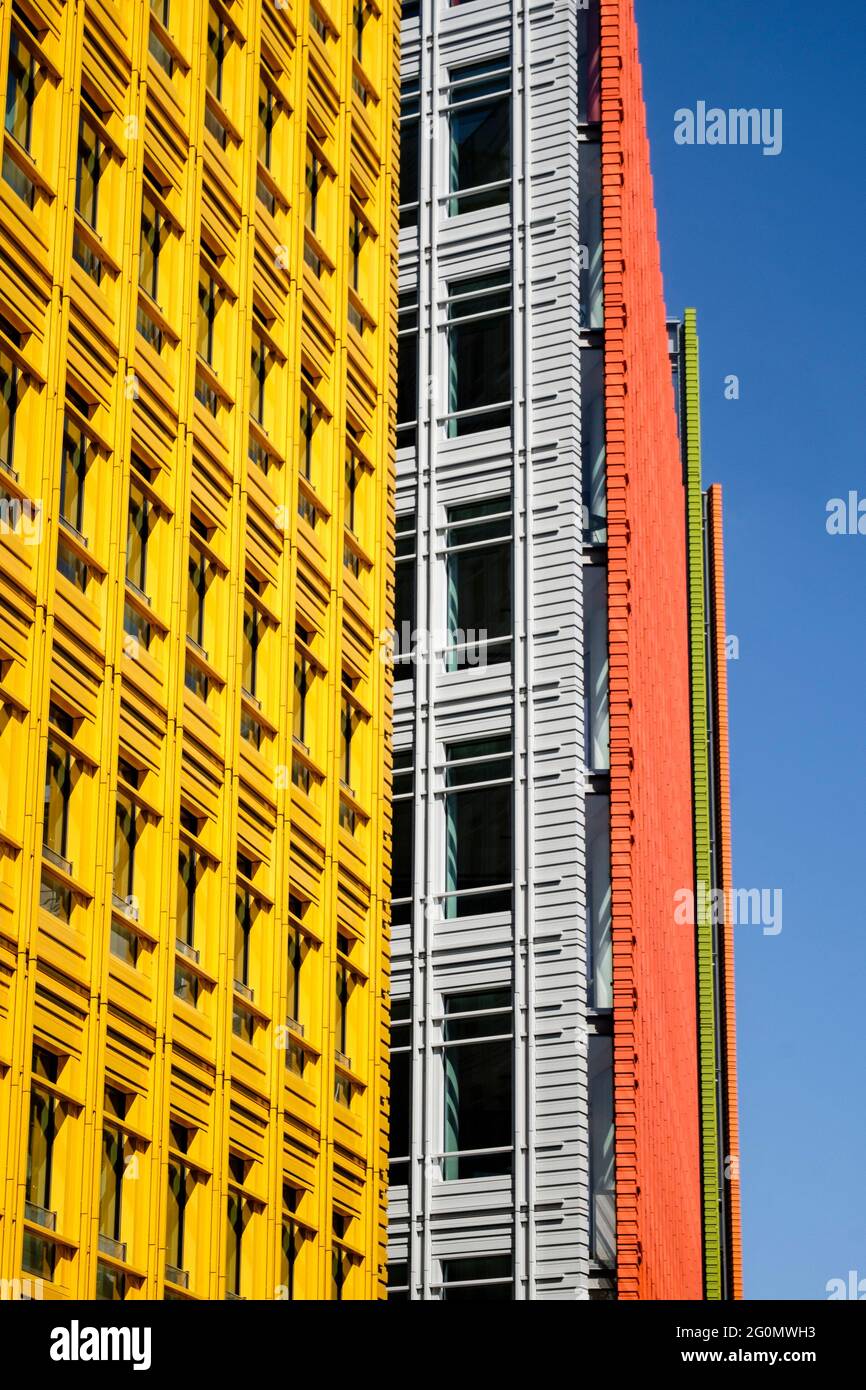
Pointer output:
771, 253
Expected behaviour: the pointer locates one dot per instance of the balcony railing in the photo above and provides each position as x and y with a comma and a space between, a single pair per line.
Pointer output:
127, 906
40, 1216
185, 949
57, 860
180, 1277
115, 1248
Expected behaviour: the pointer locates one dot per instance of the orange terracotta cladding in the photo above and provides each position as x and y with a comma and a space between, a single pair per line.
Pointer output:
655, 1026
723, 795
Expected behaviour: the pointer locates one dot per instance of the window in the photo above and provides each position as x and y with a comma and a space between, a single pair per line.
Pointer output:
343, 1260
111, 1178
217, 47
140, 514
591, 264
478, 827
20, 91
246, 910
478, 577
601, 1151
234, 1244
20, 98
359, 19
181, 1183
314, 180
126, 839
160, 10
292, 1237
344, 985
598, 901
348, 724
8, 412
58, 790
140, 520
318, 24
260, 364
110, 1283
253, 629
74, 464
88, 171
208, 303
187, 984
479, 354
87, 177
302, 687
190, 867
307, 508
40, 1151
352, 480
592, 434
588, 62
410, 126
357, 233
402, 833
296, 958
309, 420
152, 231
479, 136
197, 593
405, 583
216, 53
482, 1277
400, 1122
398, 1270
39, 1255
243, 927
596, 678
268, 108
477, 1063
198, 579
407, 370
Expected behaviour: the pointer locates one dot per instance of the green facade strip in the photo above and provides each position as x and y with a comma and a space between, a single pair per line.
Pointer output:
707, 1031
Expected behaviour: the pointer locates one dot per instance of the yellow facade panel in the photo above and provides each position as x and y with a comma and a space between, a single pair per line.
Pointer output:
197, 356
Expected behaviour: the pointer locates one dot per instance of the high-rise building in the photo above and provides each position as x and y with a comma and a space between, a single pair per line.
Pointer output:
197, 241
562, 1125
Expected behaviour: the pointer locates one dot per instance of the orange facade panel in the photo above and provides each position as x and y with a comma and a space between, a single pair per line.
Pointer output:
655, 1026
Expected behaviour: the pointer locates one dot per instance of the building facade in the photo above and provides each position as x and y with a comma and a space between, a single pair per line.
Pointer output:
549, 1139
714, 916
197, 312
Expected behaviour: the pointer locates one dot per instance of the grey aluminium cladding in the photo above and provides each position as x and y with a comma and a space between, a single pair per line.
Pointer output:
533, 1218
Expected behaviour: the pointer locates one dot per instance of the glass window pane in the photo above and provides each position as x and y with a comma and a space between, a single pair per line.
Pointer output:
478, 1098
87, 177
591, 275
601, 1156
459, 1278
597, 697
592, 433
598, 896
479, 365
478, 849
20, 92
480, 138
478, 597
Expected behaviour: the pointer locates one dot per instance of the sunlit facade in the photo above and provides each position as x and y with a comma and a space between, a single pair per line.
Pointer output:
197, 242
